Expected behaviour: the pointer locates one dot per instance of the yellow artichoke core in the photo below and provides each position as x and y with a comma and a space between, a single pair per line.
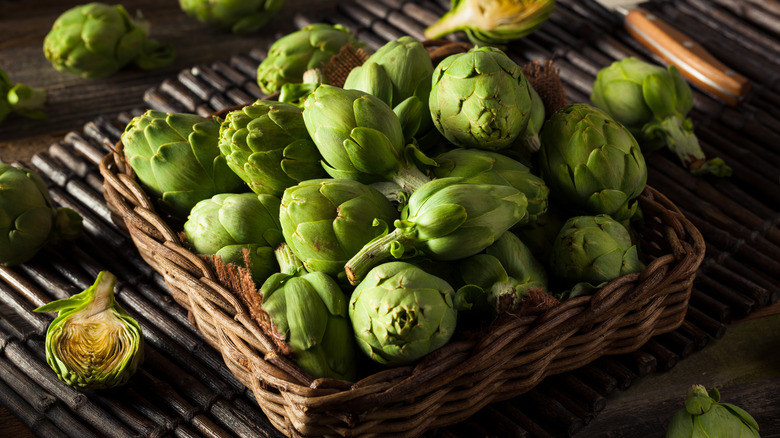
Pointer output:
96, 345
498, 13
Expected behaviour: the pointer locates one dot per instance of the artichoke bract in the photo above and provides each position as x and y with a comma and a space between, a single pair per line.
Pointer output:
176, 156
590, 251
291, 55
653, 102
399, 73
400, 313
28, 219
20, 99
228, 223
591, 162
360, 137
480, 99
268, 146
327, 221
308, 310
95, 40
486, 167
705, 415
93, 343
492, 22
239, 17
447, 219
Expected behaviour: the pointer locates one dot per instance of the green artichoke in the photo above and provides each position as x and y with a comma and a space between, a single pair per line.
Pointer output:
228, 223
20, 99
447, 219
176, 156
360, 137
480, 99
239, 17
486, 167
492, 22
653, 102
498, 280
95, 40
399, 73
268, 146
291, 55
400, 313
93, 343
592, 162
28, 219
590, 251
308, 311
327, 221
705, 416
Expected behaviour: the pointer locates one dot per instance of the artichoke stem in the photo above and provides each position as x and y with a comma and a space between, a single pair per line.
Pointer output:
685, 144
410, 178
103, 295
288, 263
374, 253
453, 21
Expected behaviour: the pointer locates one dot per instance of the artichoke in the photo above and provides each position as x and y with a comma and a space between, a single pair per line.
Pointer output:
480, 99
653, 102
498, 280
268, 146
529, 139
492, 22
592, 162
705, 416
239, 17
400, 313
327, 221
590, 251
399, 73
291, 55
95, 40
360, 138
486, 167
447, 219
176, 156
20, 99
228, 223
28, 219
93, 343
308, 311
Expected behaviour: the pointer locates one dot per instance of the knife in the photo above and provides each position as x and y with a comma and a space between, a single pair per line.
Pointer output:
680, 50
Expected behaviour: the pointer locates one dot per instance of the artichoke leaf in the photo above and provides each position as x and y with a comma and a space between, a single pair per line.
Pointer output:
655, 89
371, 152
304, 314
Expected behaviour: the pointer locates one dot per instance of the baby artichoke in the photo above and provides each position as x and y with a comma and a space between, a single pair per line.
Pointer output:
239, 17
590, 251
486, 167
653, 103
268, 146
492, 22
447, 219
360, 137
28, 219
95, 40
399, 73
400, 313
291, 55
176, 156
20, 99
228, 223
480, 99
592, 162
308, 311
327, 221
705, 416
93, 343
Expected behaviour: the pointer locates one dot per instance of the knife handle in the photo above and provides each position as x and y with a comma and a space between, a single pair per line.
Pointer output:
694, 62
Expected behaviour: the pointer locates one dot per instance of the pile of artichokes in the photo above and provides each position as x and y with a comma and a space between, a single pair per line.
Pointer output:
379, 216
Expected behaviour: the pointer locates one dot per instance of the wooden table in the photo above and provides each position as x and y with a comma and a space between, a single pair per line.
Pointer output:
744, 364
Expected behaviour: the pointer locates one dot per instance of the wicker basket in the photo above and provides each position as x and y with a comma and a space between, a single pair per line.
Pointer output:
508, 359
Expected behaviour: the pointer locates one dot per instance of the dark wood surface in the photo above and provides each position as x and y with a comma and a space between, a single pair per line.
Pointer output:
744, 364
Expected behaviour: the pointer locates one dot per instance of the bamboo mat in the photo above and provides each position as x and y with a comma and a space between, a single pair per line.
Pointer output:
184, 388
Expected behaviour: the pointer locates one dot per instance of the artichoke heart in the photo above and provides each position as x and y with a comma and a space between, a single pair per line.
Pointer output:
93, 343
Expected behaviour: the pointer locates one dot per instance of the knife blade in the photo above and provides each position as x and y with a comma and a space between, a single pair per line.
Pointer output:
676, 48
